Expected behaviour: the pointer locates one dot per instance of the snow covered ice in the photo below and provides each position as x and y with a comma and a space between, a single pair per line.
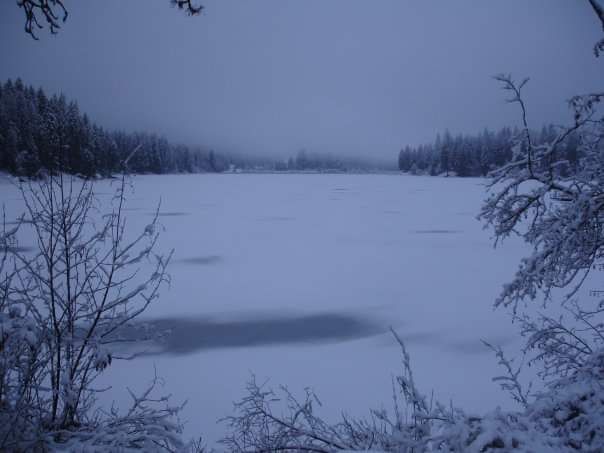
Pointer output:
297, 278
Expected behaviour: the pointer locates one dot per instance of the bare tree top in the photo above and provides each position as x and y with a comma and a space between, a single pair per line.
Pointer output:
52, 13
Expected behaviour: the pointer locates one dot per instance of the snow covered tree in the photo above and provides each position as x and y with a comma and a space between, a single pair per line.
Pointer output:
48, 134
27, 163
560, 214
63, 308
468, 155
445, 153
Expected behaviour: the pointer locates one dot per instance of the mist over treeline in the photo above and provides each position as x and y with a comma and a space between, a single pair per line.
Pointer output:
40, 132
477, 155
305, 160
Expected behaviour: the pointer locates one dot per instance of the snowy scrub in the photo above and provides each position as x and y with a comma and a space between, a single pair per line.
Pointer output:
62, 307
568, 417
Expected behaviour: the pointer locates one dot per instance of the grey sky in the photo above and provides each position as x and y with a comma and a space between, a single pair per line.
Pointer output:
344, 76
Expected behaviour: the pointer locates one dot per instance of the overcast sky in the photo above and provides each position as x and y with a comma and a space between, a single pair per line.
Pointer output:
343, 76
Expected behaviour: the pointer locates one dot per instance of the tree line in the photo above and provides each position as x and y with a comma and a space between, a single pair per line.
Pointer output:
41, 133
49, 133
478, 155
308, 161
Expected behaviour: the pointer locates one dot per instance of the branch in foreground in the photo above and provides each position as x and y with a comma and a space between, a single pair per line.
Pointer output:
52, 13
565, 417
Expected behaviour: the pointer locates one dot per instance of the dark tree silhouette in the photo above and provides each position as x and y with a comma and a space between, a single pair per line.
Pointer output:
599, 10
41, 134
54, 12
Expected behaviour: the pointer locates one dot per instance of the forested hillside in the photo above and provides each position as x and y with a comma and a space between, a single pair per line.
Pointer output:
39, 132
477, 155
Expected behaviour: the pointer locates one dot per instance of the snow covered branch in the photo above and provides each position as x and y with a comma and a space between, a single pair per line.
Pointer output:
259, 424
566, 417
559, 211
63, 309
560, 216
52, 13
510, 382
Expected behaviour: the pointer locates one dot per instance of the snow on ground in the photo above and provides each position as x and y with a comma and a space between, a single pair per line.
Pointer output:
297, 278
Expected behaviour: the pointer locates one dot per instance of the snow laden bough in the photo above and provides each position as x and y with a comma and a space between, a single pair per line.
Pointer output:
567, 417
62, 307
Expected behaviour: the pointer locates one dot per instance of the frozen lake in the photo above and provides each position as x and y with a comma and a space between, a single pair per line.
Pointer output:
297, 278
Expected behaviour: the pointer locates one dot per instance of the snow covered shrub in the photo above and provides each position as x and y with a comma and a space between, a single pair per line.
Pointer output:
561, 215
260, 426
63, 307
571, 413
567, 417
20, 370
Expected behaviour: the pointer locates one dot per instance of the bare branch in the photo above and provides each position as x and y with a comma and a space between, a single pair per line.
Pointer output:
53, 13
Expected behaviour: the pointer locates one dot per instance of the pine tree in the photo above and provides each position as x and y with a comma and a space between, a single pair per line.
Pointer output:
38, 132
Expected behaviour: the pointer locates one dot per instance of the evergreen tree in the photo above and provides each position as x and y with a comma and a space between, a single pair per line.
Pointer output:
41, 133
478, 155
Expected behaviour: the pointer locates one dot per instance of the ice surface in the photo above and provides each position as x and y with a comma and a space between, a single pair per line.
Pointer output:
381, 250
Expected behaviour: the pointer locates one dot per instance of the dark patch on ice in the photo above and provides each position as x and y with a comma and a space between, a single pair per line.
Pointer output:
436, 231
189, 335
341, 189
392, 211
170, 214
276, 218
202, 260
